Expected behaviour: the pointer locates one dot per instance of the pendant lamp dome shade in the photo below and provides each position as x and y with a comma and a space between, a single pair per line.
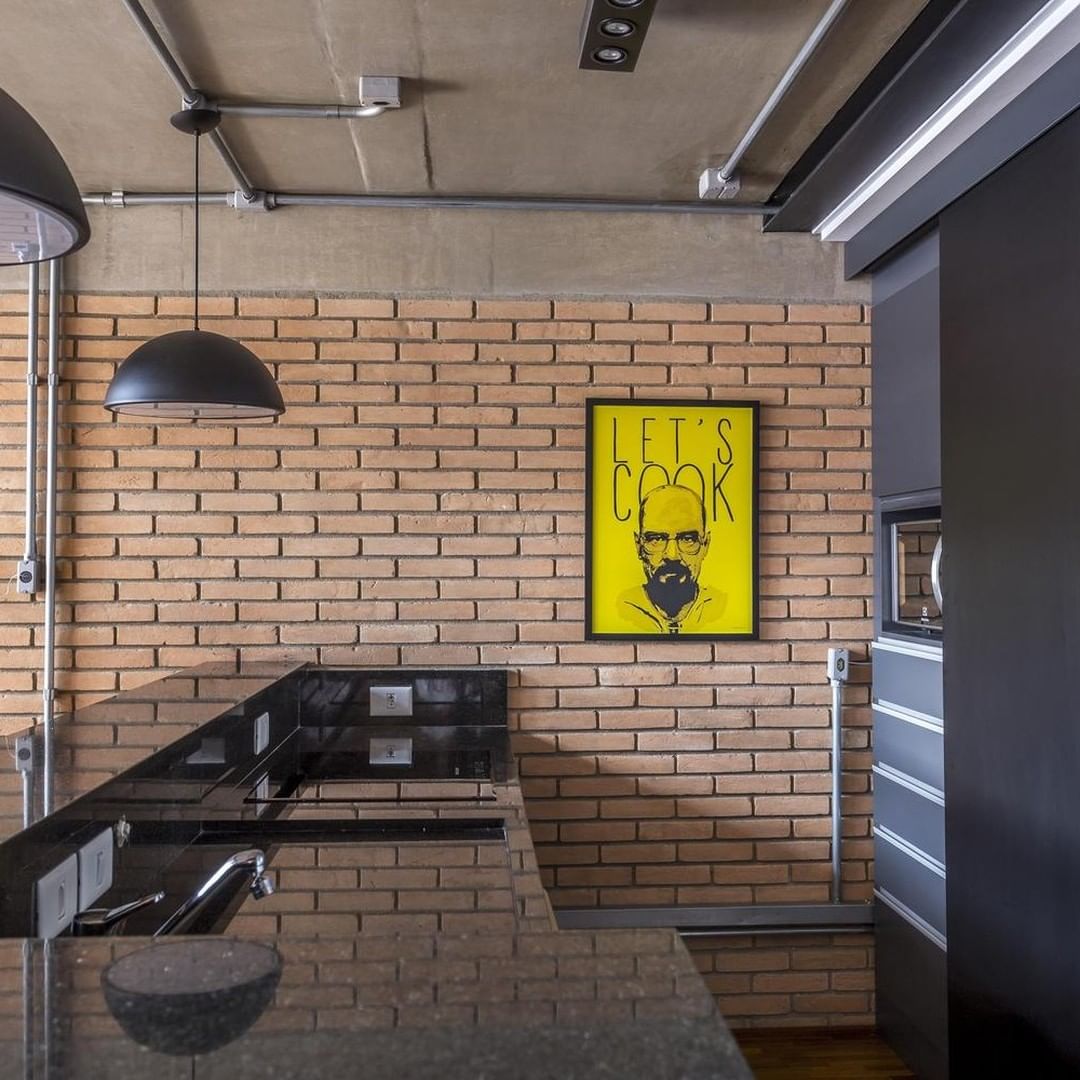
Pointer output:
41, 210
194, 374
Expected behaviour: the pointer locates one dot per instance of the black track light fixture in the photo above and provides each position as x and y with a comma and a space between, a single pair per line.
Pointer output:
613, 32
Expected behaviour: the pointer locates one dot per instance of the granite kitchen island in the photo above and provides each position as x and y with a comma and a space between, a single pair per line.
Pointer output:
408, 933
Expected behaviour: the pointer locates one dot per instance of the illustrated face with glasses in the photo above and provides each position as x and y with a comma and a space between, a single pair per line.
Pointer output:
672, 544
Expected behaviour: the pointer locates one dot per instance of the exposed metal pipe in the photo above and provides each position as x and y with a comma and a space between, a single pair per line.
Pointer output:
809, 47
32, 320
27, 797
837, 772
303, 112
487, 202
425, 202
48, 688
121, 199
188, 91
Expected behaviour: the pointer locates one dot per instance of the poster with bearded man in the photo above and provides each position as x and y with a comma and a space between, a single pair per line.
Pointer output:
671, 542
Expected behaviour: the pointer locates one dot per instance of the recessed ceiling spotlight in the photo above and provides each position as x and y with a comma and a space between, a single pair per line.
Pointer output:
610, 39
610, 55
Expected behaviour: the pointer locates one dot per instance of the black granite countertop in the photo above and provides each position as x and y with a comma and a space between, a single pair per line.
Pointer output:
533, 1005
409, 934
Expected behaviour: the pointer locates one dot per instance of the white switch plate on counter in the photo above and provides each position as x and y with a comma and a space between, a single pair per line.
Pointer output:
57, 898
95, 868
391, 701
390, 752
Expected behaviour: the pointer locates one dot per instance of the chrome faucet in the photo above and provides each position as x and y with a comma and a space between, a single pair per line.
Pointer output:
251, 862
97, 921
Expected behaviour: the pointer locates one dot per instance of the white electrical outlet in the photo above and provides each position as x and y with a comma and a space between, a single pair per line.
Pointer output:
56, 898
390, 752
262, 732
95, 868
390, 701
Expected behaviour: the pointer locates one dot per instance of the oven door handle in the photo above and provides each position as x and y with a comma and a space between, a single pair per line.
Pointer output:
935, 574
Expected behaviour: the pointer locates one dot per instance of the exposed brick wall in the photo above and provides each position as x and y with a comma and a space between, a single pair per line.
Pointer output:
789, 980
421, 502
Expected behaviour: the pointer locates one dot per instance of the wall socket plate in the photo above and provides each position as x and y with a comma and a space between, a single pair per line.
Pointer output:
56, 898
390, 701
838, 665
28, 576
390, 751
95, 868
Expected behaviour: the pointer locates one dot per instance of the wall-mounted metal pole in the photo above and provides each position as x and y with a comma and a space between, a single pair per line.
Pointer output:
33, 285
187, 90
837, 773
48, 688
809, 47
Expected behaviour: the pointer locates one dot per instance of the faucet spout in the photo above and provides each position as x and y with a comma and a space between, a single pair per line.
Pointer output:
251, 862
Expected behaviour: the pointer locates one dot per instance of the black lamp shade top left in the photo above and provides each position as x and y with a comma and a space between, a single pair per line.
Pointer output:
41, 210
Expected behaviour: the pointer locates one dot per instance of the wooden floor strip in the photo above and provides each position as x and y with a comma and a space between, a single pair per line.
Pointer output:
826, 1054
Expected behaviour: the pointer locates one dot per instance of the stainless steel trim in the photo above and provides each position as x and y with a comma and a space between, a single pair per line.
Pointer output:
917, 921
909, 849
908, 648
909, 716
48, 682
722, 919
119, 200
808, 49
917, 787
32, 324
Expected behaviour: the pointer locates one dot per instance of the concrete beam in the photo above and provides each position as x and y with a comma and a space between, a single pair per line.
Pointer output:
457, 253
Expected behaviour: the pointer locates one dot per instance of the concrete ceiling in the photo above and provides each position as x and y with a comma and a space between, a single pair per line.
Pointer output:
494, 100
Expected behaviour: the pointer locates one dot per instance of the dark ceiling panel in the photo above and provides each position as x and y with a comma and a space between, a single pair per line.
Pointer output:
956, 37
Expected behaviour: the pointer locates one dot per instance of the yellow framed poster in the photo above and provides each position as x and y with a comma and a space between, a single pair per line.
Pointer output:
671, 530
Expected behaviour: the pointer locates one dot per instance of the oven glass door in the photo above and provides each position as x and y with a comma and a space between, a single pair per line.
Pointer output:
915, 550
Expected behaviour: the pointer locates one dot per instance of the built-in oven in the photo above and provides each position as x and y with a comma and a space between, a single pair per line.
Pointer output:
912, 552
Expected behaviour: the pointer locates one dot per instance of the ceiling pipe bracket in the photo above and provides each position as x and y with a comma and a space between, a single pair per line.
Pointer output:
260, 201
711, 185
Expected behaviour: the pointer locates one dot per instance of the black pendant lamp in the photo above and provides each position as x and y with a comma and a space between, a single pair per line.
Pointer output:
41, 210
194, 374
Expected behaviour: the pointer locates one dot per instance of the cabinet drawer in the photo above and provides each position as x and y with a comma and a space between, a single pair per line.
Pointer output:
911, 680
909, 745
915, 816
913, 881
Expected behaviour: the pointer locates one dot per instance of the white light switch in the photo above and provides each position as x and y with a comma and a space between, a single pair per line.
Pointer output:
57, 898
95, 868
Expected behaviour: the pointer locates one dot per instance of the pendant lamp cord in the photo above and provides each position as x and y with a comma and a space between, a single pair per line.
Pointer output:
196, 231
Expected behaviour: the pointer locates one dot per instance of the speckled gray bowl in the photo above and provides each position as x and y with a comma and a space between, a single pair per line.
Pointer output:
194, 996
